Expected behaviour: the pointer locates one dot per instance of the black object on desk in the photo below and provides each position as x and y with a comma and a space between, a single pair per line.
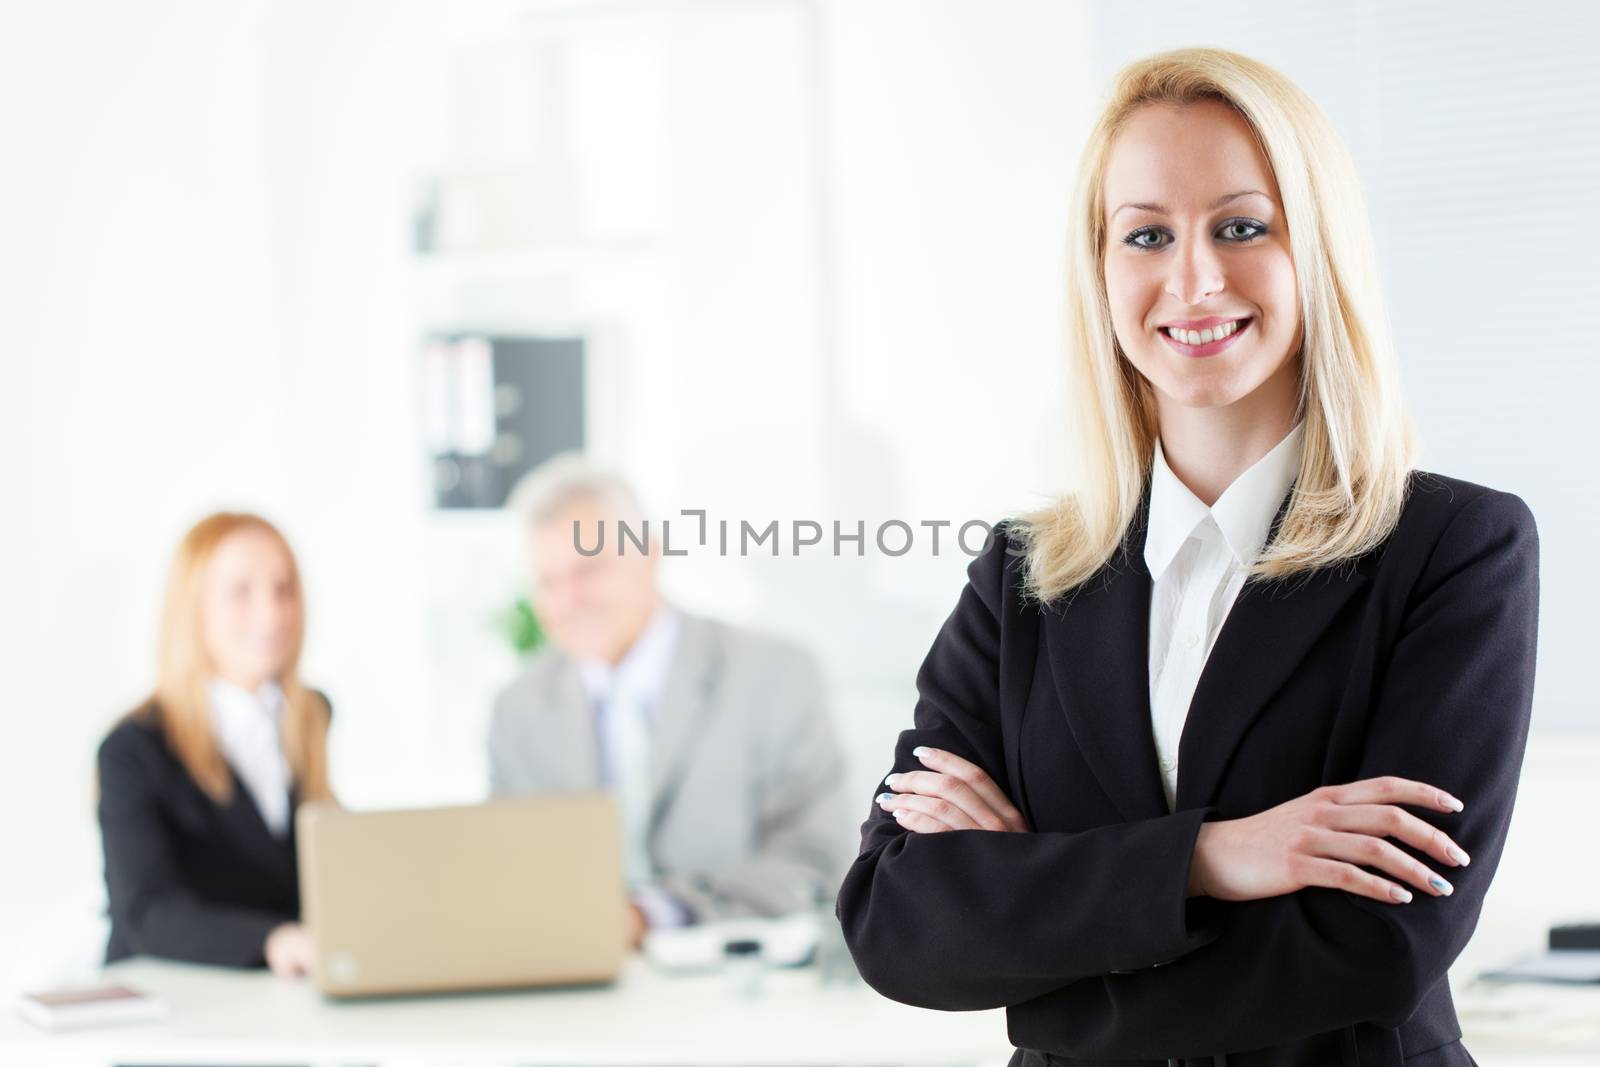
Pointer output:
1572, 958
1575, 935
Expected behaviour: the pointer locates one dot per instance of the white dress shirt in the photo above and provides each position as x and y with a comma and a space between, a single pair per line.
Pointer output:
248, 731
1198, 559
624, 698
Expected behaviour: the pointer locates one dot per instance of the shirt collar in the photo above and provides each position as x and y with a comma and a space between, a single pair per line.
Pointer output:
1243, 513
233, 706
643, 667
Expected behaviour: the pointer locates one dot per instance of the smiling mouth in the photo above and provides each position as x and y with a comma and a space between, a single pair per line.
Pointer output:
1206, 336
1209, 341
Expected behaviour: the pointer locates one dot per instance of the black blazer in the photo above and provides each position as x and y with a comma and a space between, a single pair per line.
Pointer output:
187, 878
1417, 661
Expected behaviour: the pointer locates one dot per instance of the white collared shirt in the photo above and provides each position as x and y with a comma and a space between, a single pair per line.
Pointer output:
1198, 558
248, 731
640, 676
642, 671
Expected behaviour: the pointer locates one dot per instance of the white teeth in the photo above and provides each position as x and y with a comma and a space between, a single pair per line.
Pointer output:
1203, 337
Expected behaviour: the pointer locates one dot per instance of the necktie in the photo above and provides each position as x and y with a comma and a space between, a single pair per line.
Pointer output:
630, 736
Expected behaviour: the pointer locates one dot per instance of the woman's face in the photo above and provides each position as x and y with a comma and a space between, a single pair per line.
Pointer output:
249, 608
1184, 249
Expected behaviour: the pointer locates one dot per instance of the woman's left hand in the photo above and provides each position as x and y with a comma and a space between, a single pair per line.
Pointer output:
954, 794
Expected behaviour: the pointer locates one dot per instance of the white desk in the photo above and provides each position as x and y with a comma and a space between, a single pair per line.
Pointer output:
1520, 1024
649, 1018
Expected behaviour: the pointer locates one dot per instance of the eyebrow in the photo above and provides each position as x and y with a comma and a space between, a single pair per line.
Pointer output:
1218, 202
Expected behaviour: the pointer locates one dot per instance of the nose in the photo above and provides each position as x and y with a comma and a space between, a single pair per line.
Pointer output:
271, 614
1196, 272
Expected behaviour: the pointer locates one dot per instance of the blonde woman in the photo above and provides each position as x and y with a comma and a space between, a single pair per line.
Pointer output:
198, 785
1214, 758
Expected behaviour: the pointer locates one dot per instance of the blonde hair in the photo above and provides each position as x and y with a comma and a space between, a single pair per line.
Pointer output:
1360, 442
182, 669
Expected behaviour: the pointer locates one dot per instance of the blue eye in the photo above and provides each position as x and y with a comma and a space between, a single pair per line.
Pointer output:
1254, 229
1143, 231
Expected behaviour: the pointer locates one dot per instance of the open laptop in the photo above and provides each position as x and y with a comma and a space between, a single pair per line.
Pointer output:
509, 893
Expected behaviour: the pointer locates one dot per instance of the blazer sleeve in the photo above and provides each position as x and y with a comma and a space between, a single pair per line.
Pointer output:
1452, 710
802, 836
974, 919
148, 898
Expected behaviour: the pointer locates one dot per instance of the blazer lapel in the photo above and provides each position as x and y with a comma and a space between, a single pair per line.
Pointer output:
1098, 651
566, 752
243, 817
686, 703
246, 823
1265, 637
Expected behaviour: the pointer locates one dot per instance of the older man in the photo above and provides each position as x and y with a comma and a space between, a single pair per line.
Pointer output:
716, 740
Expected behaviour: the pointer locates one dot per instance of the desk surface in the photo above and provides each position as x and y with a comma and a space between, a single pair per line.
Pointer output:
650, 1017
647, 1017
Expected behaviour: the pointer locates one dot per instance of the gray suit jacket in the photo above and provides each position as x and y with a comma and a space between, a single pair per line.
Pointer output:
750, 816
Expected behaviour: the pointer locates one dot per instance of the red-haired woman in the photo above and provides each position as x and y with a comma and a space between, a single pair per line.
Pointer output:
198, 785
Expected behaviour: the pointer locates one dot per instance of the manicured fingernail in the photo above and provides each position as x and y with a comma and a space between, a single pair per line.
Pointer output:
1459, 856
1451, 802
891, 779
920, 751
1401, 894
885, 797
1442, 886
897, 813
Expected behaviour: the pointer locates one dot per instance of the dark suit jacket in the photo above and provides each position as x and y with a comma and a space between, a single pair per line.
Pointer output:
1416, 661
187, 878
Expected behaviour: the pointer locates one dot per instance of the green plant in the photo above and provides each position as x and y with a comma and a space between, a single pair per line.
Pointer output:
520, 624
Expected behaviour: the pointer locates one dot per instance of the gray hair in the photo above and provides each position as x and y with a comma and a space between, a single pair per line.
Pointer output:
552, 487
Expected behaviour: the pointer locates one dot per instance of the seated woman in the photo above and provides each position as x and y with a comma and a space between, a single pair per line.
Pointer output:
199, 784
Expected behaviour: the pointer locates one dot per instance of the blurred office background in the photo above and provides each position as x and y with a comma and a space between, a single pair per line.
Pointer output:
777, 259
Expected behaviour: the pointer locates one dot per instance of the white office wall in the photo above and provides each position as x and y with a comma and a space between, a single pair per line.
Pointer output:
701, 280
142, 384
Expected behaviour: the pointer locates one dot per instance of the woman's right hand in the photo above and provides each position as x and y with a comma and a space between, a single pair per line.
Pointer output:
288, 950
1324, 838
